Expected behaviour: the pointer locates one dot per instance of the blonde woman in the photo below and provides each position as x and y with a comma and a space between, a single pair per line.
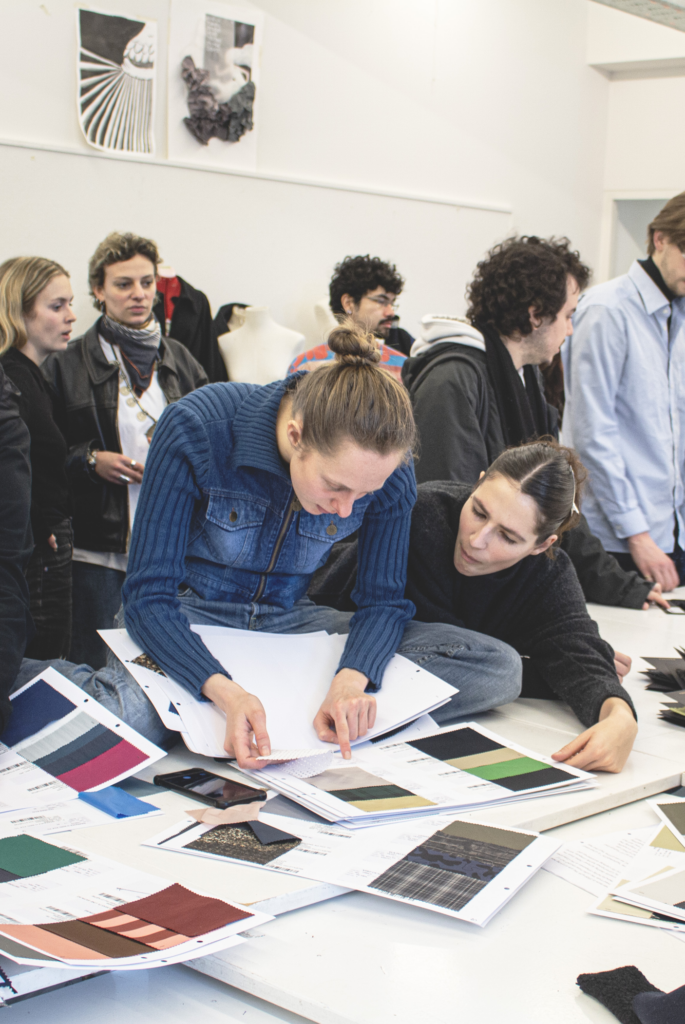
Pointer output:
35, 320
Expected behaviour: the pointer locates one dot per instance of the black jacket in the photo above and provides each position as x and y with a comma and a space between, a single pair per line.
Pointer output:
87, 388
536, 606
192, 325
460, 435
50, 497
16, 542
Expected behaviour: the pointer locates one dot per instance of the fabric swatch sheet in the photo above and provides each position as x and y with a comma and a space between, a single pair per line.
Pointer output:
463, 869
103, 807
290, 673
661, 852
72, 741
458, 768
60, 906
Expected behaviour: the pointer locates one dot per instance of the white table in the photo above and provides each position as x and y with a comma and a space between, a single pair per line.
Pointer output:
359, 959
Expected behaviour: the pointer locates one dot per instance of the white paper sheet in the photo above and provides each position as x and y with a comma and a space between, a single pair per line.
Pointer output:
595, 864
22, 784
55, 818
291, 674
334, 855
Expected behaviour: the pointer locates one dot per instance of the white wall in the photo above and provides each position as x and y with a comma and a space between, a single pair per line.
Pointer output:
481, 100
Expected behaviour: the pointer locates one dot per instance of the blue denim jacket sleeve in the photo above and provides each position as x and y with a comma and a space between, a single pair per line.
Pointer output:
383, 611
176, 465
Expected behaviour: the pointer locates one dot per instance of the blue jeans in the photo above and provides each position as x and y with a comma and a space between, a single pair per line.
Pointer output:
97, 597
487, 672
114, 688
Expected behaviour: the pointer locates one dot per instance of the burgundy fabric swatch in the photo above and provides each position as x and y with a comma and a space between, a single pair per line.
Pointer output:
181, 910
105, 767
108, 943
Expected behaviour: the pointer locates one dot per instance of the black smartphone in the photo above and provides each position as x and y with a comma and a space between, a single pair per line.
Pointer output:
210, 789
677, 606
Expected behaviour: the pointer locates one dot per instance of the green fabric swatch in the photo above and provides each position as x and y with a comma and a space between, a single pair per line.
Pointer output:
506, 769
26, 856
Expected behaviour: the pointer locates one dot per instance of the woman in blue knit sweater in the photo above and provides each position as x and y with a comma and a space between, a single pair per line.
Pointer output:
245, 491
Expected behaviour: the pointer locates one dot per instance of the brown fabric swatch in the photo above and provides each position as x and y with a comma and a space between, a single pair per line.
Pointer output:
98, 939
181, 910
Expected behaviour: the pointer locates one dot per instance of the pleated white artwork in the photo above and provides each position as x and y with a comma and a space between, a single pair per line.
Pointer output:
116, 81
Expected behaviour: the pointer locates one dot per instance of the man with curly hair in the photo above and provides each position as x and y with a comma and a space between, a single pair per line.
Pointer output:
366, 288
625, 376
477, 389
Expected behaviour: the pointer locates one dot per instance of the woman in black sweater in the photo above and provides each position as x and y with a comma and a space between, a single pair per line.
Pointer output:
485, 559
35, 320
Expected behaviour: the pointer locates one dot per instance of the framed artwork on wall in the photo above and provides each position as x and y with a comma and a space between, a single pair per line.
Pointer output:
116, 81
213, 87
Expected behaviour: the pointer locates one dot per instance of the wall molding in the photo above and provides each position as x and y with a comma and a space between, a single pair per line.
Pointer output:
287, 179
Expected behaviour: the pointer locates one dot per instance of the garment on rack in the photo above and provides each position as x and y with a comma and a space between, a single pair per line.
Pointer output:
191, 323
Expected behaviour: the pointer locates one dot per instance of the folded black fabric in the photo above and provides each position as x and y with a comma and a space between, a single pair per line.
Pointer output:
616, 990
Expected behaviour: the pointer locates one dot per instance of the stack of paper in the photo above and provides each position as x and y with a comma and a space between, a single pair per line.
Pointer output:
290, 674
459, 768
463, 869
63, 907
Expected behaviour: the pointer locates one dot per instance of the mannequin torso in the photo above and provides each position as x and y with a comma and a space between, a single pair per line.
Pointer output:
261, 350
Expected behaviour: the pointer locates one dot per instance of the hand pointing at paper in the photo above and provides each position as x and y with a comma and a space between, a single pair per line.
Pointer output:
346, 714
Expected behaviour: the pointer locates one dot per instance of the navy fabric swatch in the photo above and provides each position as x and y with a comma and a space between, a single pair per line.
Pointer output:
33, 709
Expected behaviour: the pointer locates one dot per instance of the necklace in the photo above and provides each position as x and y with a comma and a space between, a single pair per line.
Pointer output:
132, 399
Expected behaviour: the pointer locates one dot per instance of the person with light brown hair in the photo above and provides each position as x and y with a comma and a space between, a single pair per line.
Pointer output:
36, 320
113, 383
246, 489
624, 369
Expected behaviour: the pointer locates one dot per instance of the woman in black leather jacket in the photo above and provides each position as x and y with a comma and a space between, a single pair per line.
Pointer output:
112, 384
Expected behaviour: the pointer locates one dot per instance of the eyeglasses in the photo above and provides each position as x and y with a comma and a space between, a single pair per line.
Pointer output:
383, 300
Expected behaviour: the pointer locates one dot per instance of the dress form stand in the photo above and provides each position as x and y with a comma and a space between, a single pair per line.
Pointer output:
261, 350
325, 321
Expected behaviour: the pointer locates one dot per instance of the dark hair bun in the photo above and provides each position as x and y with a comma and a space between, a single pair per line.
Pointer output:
353, 346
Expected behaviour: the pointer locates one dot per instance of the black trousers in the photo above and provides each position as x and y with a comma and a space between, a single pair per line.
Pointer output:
49, 579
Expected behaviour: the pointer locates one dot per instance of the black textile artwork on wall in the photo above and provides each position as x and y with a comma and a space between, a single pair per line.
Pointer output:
210, 119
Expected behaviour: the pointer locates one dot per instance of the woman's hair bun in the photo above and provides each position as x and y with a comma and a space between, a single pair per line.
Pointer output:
352, 345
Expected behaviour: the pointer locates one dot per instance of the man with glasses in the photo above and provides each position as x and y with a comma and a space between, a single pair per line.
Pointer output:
625, 404
366, 288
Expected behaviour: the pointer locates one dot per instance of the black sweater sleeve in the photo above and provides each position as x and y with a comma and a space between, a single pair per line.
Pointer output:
449, 407
601, 577
554, 630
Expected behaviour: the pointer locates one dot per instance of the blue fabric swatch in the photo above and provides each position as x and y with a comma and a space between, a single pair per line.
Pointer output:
33, 709
117, 802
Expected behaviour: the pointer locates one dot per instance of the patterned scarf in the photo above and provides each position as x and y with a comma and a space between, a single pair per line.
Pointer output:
139, 348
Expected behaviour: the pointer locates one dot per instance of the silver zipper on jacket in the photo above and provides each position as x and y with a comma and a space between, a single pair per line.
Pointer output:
294, 507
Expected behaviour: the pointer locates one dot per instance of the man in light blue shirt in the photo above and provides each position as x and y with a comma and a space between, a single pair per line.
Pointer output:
624, 370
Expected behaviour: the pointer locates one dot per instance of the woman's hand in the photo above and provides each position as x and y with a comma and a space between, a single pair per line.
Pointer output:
52, 541
623, 663
347, 712
118, 469
656, 597
603, 747
246, 735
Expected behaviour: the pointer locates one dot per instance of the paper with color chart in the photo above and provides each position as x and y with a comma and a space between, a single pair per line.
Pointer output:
291, 674
660, 851
672, 812
60, 742
458, 768
662, 893
78, 909
462, 869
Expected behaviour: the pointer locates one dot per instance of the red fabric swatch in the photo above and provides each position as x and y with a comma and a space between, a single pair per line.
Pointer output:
181, 910
104, 767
